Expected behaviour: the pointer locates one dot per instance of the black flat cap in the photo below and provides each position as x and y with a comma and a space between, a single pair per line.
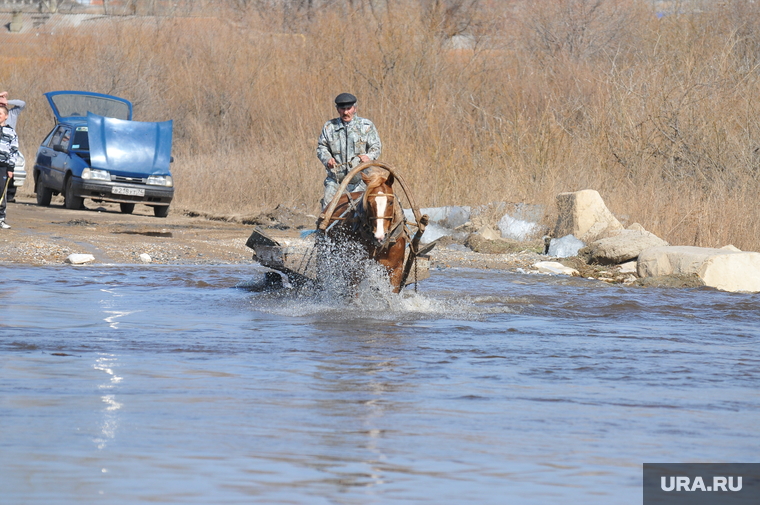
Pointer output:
345, 99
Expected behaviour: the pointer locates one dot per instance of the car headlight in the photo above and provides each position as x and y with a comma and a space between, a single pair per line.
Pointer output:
160, 180
98, 175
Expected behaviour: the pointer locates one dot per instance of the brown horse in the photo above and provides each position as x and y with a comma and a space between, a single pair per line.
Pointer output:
373, 222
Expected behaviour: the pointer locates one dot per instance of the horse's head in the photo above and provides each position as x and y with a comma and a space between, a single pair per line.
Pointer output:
378, 202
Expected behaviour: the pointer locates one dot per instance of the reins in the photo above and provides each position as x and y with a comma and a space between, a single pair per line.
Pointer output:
326, 220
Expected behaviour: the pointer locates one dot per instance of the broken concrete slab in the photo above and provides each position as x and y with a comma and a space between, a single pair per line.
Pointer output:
722, 269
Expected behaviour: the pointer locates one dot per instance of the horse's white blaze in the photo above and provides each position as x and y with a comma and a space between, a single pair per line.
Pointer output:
381, 202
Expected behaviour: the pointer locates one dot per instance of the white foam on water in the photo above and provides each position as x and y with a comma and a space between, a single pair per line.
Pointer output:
353, 286
373, 305
374, 300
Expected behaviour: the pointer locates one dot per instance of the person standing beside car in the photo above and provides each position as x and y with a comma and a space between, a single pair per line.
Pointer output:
345, 143
8, 152
13, 114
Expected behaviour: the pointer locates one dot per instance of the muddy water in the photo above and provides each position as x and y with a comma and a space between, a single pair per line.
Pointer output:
169, 385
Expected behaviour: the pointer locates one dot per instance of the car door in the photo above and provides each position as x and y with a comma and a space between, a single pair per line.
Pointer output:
59, 160
44, 157
49, 160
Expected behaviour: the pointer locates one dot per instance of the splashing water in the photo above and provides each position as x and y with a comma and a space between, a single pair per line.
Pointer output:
370, 303
352, 286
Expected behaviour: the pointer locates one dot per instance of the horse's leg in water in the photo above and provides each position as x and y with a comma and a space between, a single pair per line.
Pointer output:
393, 261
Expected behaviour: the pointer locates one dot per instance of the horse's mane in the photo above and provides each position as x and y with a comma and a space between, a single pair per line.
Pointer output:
375, 178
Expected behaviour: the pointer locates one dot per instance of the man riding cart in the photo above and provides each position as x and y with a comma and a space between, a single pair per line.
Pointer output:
346, 142
361, 214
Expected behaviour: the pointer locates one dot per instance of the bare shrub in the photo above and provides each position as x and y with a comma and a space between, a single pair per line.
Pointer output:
475, 102
577, 28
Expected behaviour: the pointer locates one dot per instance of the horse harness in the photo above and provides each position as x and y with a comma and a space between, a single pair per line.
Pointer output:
396, 229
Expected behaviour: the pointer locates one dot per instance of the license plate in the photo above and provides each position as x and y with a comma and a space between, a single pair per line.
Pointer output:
128, 191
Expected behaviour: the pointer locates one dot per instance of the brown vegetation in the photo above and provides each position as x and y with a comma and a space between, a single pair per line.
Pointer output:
528, 99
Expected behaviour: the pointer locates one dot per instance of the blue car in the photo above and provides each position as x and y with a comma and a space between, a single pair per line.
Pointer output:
96, 151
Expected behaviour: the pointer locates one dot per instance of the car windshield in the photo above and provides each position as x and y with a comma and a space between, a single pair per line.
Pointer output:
80, 105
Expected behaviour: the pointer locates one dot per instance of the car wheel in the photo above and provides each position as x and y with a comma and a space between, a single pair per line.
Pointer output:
161, 211
44, 195
72, 201
127, 208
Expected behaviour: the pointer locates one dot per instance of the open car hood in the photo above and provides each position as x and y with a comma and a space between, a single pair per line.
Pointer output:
129, 148
72, 105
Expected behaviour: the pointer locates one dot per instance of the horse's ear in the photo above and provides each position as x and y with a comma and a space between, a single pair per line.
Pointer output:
390, 180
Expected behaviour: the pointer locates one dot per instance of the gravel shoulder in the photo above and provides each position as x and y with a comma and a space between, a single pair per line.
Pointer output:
48, 235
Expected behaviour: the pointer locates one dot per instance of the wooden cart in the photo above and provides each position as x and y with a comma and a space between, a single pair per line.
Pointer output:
296, 257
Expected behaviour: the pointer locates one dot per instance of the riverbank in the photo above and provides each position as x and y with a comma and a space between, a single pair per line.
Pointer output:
48, 235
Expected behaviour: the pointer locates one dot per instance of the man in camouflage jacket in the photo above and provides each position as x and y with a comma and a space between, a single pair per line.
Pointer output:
346, 142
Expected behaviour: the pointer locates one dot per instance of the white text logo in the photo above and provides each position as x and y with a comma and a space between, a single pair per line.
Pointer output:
685, 484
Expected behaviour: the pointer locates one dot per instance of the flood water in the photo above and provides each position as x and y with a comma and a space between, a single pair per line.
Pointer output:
167, 384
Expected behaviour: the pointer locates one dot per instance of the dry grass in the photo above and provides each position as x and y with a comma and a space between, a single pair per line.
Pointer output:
658, 115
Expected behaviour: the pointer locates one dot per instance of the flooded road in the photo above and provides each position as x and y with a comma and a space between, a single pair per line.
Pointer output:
167, 384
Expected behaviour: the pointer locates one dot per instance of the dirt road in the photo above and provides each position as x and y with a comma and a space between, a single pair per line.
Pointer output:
48, 235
